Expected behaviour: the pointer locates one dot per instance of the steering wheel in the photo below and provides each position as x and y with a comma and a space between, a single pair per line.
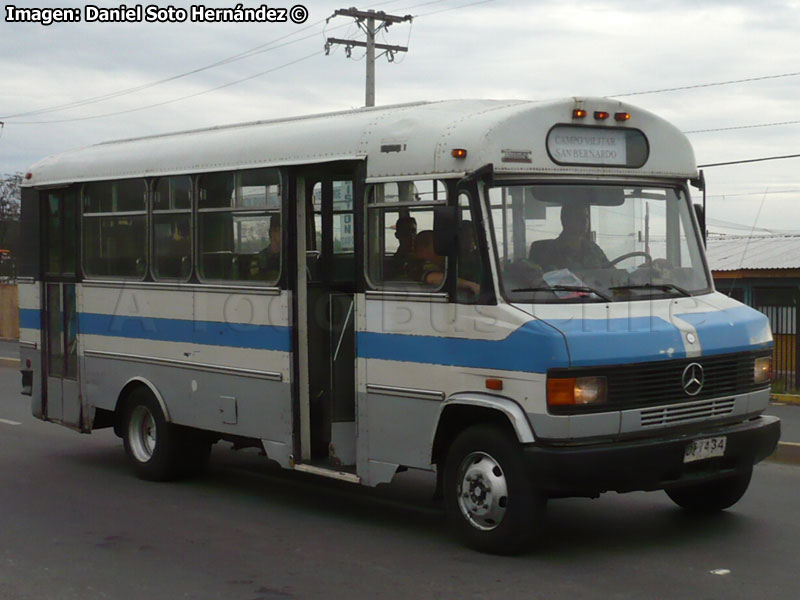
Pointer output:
648, 258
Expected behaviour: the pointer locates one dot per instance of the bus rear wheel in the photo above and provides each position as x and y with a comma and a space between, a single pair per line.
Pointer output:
490, 500
158, 450
712, 496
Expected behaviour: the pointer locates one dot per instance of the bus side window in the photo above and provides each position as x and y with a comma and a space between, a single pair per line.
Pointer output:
114, 225
239, 226
400, 252
172, 239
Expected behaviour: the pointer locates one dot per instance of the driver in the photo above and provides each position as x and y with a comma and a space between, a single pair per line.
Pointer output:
574, 248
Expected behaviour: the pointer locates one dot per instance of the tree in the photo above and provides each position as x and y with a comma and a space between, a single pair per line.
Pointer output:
9, 221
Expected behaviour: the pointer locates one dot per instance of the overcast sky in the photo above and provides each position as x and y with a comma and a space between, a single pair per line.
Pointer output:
495, 49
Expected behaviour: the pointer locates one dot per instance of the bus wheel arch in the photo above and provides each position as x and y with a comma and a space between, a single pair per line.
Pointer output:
129, 388
460, 411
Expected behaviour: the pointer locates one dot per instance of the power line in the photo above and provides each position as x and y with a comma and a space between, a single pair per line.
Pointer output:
236, 57
790, 191
704, 85
130, 110
742, 127
436, 12
747, 160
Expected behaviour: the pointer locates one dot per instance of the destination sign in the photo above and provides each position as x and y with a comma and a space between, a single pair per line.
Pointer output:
588, 146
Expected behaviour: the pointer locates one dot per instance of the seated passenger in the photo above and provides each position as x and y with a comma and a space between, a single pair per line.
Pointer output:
267, 265
430, 266
405, 230
574, 248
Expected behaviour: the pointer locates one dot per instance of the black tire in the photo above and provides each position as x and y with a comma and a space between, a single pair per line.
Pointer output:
712, 496
503, 513
156, 449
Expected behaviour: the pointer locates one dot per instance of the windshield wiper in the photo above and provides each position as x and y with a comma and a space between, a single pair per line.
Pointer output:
565, 288
664, 287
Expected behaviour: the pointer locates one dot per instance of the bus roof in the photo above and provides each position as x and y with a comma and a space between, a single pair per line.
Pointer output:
409, 141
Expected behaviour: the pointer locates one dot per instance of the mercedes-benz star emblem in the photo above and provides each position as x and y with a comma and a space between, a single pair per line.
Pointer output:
692, 379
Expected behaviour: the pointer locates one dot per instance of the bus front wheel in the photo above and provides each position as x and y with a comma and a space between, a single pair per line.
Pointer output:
714, 495
158, 450
490, 500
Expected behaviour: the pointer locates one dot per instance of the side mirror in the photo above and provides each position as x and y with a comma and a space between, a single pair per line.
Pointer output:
701, 220
445, 230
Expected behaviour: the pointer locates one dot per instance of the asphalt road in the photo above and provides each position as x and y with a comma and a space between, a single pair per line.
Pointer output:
74, 523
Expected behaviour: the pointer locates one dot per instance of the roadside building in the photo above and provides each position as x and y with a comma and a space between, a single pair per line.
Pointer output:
764, 272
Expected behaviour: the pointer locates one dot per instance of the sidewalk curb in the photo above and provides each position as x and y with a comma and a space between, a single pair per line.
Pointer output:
785, 398
786, 453
6, 361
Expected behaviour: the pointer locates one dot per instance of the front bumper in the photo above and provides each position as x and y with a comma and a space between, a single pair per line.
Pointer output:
650, 464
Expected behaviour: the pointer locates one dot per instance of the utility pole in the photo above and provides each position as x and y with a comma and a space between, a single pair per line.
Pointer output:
366, 20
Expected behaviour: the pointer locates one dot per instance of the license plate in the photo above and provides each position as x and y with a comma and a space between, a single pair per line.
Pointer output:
705, 448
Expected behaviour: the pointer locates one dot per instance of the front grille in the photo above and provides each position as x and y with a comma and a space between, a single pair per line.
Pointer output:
681, 413
659, 383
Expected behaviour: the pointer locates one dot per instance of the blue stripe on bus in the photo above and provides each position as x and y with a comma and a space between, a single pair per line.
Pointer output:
534, 347
210, 333
30, 318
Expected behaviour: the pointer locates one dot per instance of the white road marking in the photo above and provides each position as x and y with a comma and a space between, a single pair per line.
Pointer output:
7, 422
720, 572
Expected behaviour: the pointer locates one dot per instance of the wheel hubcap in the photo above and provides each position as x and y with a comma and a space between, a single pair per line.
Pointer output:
483, 491
142, 434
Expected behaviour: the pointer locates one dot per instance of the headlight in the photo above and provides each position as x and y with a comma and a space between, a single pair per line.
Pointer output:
570, 391
762, 369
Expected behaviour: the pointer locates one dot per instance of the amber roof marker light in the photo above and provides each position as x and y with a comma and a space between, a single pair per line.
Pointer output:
578, 113
600, 115
458, 153
622, 116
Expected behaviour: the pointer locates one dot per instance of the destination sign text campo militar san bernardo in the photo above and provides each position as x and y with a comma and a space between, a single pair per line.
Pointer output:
607, 148
153, 13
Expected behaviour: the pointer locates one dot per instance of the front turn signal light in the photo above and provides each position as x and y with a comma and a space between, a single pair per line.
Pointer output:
576, 391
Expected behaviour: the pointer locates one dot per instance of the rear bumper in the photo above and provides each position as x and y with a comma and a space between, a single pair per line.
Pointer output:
650, 464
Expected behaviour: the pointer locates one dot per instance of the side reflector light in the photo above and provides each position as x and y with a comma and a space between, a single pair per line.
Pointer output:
494, 384
571, 391
600, 115
458, 153
578, 113
622, 116
28, 175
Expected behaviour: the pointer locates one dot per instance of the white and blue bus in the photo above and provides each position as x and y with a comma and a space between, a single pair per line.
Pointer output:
511, 294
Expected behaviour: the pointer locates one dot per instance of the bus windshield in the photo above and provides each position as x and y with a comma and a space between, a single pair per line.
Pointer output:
595, 243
